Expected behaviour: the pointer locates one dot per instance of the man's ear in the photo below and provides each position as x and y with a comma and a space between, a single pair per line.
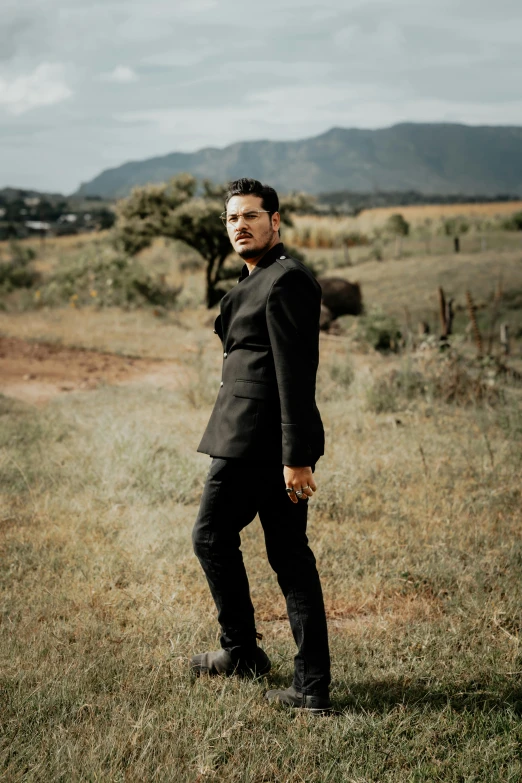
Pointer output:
276, 221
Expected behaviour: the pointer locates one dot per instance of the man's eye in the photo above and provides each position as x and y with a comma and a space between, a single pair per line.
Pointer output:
250, 216
232, 218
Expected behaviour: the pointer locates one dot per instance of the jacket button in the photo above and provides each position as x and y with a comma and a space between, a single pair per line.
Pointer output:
225, 355
214, 331
221, 384
282, 258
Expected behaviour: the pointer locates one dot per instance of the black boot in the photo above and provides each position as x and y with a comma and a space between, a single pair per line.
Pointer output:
222, 663
292, 698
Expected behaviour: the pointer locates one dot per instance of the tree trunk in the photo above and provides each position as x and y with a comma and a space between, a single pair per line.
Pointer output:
214, 267
210, 282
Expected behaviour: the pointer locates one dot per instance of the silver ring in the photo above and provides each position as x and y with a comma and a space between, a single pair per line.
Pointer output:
290, 490
299, 493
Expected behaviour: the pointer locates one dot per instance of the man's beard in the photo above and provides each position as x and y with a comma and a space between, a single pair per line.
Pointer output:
253, 252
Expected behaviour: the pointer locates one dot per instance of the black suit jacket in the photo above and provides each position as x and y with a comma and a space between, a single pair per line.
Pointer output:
269, 326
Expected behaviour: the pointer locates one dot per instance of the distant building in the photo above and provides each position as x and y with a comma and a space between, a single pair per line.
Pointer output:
70, 218
37, 227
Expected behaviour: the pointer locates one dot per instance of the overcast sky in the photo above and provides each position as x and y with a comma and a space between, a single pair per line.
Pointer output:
88, 85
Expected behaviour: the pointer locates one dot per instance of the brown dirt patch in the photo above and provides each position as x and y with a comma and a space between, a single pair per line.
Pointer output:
36, 371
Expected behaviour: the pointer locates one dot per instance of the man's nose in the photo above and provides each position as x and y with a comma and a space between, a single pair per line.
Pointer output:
243, 218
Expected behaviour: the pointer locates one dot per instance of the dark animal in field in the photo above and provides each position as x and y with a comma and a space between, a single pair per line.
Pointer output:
339, 297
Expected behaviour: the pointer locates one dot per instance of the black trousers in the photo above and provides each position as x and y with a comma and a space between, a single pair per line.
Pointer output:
229, 503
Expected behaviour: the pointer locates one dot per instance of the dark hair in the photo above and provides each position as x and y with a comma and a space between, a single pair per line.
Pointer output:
252, 187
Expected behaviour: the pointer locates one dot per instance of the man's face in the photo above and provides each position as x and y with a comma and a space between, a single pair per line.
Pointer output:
251, 238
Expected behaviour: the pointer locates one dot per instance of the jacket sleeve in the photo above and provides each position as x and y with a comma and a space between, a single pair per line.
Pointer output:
293, 309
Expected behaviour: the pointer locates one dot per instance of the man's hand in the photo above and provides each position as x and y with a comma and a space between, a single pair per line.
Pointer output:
299, 480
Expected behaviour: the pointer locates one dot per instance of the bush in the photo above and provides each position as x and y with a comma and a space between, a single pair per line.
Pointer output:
17, 272
397, 226
386, 394
379, 330
99, 276
381, 397
513, 222
455, 226
335, 377
453, 378
448, 377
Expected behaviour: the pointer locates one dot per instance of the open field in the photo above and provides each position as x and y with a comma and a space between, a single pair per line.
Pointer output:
416, 527
417, 213
430, 231
404, 287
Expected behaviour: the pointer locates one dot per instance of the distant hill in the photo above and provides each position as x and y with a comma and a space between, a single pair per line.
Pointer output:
429, 158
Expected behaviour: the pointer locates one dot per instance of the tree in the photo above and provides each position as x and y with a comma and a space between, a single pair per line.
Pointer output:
198, 223
147, 212
399, 228
298, 203
173, 210
425, 231
455, 227
513, 222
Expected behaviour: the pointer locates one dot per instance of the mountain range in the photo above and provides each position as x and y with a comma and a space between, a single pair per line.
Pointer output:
431, 158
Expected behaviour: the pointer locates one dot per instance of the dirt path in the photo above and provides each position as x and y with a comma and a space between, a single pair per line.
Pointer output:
36, 372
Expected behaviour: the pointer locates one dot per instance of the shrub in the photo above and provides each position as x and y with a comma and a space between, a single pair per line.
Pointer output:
100, 276
453, 378
513, 222
381, 397
399, 386
335, 377
455, 226
380, 331
17, 271
397, 226
448, 377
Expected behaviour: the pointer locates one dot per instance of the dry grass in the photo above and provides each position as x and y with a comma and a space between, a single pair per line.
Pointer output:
320, 228
134, 333
419, 213
416, 527
406, 288
411, 283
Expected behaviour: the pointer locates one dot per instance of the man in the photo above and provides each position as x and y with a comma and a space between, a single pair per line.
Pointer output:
265, 435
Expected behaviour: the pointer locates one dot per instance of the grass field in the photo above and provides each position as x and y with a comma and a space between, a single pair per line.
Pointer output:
416, 527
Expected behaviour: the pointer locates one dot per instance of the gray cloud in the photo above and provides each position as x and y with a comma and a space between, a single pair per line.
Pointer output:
126, 80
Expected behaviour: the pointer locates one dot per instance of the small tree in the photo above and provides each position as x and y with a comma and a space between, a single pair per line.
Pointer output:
425, 232
513, 222
198, 223
455, 227
173, 210
147, 212
399, 228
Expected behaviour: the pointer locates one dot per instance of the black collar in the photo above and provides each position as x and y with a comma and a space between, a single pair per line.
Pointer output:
272, 255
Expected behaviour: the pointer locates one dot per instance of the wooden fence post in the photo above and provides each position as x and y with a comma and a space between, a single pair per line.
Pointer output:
445, 313
474, 324
449, 317
504, 339
442, 311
